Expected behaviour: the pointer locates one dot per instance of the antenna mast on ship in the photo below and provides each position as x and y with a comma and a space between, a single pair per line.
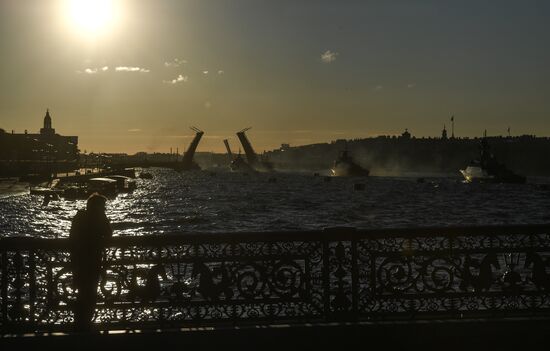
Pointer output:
452, 126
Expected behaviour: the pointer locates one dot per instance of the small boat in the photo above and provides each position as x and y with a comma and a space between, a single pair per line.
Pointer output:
127, 172
104, 186
37, 190
12, 186
344, 166
488, 170
124, 184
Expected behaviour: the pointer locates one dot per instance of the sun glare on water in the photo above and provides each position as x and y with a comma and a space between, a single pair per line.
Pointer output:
92, 17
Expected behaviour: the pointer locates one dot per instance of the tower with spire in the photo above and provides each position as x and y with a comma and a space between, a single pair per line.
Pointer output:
47, 130
444, 133
406, 134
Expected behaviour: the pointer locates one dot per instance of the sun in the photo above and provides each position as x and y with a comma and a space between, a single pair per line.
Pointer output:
91, 17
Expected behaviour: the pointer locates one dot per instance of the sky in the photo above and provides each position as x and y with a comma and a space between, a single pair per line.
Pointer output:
130, 76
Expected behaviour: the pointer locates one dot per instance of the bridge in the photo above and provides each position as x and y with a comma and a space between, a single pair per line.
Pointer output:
337, 277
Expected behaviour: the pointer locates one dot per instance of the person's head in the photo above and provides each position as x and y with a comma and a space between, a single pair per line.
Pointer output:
96, 203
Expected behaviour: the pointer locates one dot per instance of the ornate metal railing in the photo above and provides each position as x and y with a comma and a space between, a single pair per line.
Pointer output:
298, 277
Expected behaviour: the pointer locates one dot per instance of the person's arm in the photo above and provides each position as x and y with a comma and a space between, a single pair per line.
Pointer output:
76, 225
107, 231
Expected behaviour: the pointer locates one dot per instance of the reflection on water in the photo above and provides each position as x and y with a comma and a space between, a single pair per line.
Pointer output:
226, 202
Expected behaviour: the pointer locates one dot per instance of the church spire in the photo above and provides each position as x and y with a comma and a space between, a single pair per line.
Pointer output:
47, 124
47, 120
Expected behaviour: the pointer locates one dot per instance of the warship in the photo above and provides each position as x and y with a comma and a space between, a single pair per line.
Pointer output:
487, 169
344, 166
237, 163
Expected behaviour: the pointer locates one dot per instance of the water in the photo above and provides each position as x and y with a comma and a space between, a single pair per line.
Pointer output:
228, 202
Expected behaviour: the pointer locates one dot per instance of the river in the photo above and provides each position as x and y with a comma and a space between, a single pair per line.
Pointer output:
205, 201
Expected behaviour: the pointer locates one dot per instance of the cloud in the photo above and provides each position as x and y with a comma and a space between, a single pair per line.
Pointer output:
204, 72
131, 69
329, 56
134, 130
180, 78
301, 131
378, 88
207, 105
220, 72
175, 63
411, 85
94, 70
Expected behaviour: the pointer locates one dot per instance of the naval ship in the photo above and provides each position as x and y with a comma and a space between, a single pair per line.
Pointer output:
345, 167
488, 169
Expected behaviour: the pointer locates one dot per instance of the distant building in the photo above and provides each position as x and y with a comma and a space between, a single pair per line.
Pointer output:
284, 147
406, 134
444, 133
45, 146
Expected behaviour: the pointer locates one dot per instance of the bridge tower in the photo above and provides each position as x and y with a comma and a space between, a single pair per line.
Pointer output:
226, 142
251, 156
187, 161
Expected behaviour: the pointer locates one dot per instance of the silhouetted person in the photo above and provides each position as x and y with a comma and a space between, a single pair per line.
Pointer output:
88, 229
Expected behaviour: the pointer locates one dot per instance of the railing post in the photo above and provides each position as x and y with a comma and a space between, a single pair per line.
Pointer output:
340, 275
4, 284
232, 254
354, 279
326, 278
161, 318
32, 285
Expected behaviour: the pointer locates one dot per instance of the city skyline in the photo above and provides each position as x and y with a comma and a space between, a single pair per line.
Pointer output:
445, 133
129, 77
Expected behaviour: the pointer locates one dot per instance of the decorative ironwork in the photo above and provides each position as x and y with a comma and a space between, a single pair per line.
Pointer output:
302, 277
